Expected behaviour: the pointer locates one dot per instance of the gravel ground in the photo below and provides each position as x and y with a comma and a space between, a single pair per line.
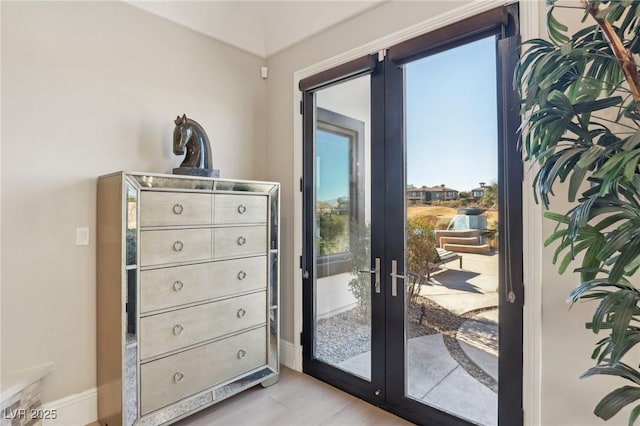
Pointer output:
343, 336
348, 334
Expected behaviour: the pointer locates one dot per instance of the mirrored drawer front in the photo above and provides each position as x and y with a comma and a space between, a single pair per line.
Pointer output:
175, 377
176, 329
168, 287
174, 245
174, 208
240, 241
231, 208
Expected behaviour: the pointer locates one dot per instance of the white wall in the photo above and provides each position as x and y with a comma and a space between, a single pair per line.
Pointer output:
90, 88
334, 296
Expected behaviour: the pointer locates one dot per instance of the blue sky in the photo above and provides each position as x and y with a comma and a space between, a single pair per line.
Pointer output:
452, 117
332, 165
451, 124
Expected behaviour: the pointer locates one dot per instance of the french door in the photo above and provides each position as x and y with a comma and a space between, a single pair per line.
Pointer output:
412, 290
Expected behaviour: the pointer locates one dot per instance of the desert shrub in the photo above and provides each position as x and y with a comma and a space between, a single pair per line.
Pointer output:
443, 223
332, 229
490, 198
421, 250
454, 204
360, 283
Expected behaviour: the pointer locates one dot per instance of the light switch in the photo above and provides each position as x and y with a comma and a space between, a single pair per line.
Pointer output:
82, 236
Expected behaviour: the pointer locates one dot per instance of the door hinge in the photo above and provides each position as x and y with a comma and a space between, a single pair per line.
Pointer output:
300, 262
301, 107
301, 184
301, 338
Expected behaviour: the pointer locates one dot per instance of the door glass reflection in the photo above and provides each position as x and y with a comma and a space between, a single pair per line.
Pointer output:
342, 308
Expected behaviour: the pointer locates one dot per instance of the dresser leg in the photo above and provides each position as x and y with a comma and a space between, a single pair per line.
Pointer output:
270, 381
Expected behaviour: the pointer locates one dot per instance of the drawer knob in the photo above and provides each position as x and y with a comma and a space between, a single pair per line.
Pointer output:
177, 208
178, 246
242, 353
241, 313
177, 286
242, 275
241, 241
242, 208
178, 377
178, 329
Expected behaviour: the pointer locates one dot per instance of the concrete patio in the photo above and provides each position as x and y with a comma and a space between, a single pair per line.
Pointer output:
434, 376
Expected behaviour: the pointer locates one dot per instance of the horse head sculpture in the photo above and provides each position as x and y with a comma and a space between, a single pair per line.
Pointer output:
190, 137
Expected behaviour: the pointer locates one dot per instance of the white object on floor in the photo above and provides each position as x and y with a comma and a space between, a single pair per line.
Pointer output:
16, 381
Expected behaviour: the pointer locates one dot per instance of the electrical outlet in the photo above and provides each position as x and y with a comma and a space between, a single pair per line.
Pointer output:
82, 236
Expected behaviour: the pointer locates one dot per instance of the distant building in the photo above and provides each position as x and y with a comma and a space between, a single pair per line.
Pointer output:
324, 207
478, 193
428, 194
416, 194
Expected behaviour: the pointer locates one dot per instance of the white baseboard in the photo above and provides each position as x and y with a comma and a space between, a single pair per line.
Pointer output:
73, 410
287, 354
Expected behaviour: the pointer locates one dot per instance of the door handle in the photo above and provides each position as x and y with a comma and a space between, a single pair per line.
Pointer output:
394, 277
375, 271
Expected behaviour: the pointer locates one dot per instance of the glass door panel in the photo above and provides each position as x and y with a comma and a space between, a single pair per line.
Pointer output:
342, 198
451, 216
412, 265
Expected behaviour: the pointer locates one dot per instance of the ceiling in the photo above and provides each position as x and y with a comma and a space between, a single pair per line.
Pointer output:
259, 27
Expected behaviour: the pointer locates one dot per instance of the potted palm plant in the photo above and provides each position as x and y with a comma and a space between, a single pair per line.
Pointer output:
580, 97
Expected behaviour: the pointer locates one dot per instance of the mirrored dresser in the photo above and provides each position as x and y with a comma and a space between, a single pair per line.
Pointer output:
187, 293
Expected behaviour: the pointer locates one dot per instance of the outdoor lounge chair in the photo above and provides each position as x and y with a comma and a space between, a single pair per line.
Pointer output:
443, 256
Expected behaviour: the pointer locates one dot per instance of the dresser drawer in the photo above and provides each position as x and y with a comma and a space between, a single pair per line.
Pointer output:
175, 377
174, 245
176, 329
168, 287
240, 241
174, 208
230, 208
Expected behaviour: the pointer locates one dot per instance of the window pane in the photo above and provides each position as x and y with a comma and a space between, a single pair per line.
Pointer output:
333, 208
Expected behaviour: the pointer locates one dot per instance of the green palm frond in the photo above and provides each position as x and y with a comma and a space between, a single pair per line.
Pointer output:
581, 107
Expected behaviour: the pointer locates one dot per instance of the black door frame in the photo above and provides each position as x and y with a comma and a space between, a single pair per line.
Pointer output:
502, 23
387, 131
